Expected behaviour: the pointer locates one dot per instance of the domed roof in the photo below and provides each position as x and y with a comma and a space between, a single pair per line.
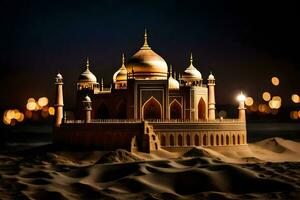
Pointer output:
87, 99
87, 75
115, 75
122, 74
211, 77
146, 64
191, 73
59, 76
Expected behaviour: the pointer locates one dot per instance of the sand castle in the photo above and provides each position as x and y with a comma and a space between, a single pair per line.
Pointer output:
146, 108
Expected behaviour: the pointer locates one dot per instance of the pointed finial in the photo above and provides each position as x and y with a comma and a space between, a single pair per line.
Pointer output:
145, 46
87, 63
123, 59
171, 74
191, 58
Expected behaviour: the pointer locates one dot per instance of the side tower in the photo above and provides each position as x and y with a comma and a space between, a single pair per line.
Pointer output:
59, 99
87, 108
242, 110
211, 97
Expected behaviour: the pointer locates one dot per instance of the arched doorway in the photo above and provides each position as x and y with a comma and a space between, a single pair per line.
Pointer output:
179, 140
152, 109
196, 140
233, 139
171, 140
175, 110
222, 140
163, 140
121, 110
201, 109
103, 112
239, 139
227, 139
204, 140
188, 140
211, 140
217, 140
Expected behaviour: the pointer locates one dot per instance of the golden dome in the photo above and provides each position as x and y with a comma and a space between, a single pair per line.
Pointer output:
211, 76
115, 75
122, 74
87, 75
146, 64
191, 73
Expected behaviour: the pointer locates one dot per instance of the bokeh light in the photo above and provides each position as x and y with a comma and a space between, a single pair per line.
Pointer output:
31, 100
275, 81
266, 96
51, 111
262, 108
43, 101
241, 97
295, 98
31, 105
249, 101
294, 115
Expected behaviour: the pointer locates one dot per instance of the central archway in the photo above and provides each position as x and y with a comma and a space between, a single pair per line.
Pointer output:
201, 109
103, 112
152, 109
175, 110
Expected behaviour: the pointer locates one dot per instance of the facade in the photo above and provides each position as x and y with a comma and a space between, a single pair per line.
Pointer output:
146, 108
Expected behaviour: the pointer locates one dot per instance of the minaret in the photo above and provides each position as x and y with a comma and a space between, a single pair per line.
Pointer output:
87, 108
242, 110
211, 97
59, 100
171, 73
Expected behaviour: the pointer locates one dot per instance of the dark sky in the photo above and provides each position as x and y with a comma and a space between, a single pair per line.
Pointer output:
244, 43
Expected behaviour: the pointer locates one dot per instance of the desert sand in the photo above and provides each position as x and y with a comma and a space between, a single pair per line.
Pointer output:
269, 169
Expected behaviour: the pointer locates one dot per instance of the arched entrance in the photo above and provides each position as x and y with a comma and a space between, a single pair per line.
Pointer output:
103, 112
196, 140
188, 140
201, 109
175, 110
163, 140
152, 109
171, 140
179, 140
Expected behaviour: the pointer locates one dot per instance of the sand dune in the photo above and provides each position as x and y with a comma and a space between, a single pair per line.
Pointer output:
197, 174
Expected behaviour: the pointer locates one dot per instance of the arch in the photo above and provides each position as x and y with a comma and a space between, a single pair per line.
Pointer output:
217, 140
227, 139
211, 140
163, 140
238, 139
188, 140
201, 109
243, 140
121, 110
175, 110
204, 140
196, 140
233, 139
103, 112
180, 142
172, 140
152, 109
222, 139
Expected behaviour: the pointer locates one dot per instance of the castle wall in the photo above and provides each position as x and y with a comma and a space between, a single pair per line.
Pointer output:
188, 134
108, 136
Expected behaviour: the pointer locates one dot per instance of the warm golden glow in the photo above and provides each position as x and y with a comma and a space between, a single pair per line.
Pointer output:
275, 81
262, 108
31, 100
275, 103
20, 117
294, 115
241, 97
249, 101
31, 105
266, 96
299, 114
51, 111
43, 101
295, 98
253, 108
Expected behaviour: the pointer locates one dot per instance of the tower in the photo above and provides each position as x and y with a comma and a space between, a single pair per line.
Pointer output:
211, 97
242, 110
87, 108
59, 100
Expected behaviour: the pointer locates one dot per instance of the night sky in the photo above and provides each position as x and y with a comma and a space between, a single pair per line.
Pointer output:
244, 43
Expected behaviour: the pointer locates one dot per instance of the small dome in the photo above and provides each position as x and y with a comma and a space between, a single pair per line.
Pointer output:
122, 72
191, 73
59, 76
87, 75
173, 84
146, 64
87, 98
211, 77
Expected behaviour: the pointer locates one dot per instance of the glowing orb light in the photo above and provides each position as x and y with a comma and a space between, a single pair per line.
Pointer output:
275, 81
249, 101
241, 97
295, 98
51, 111
43, 101
266, 96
